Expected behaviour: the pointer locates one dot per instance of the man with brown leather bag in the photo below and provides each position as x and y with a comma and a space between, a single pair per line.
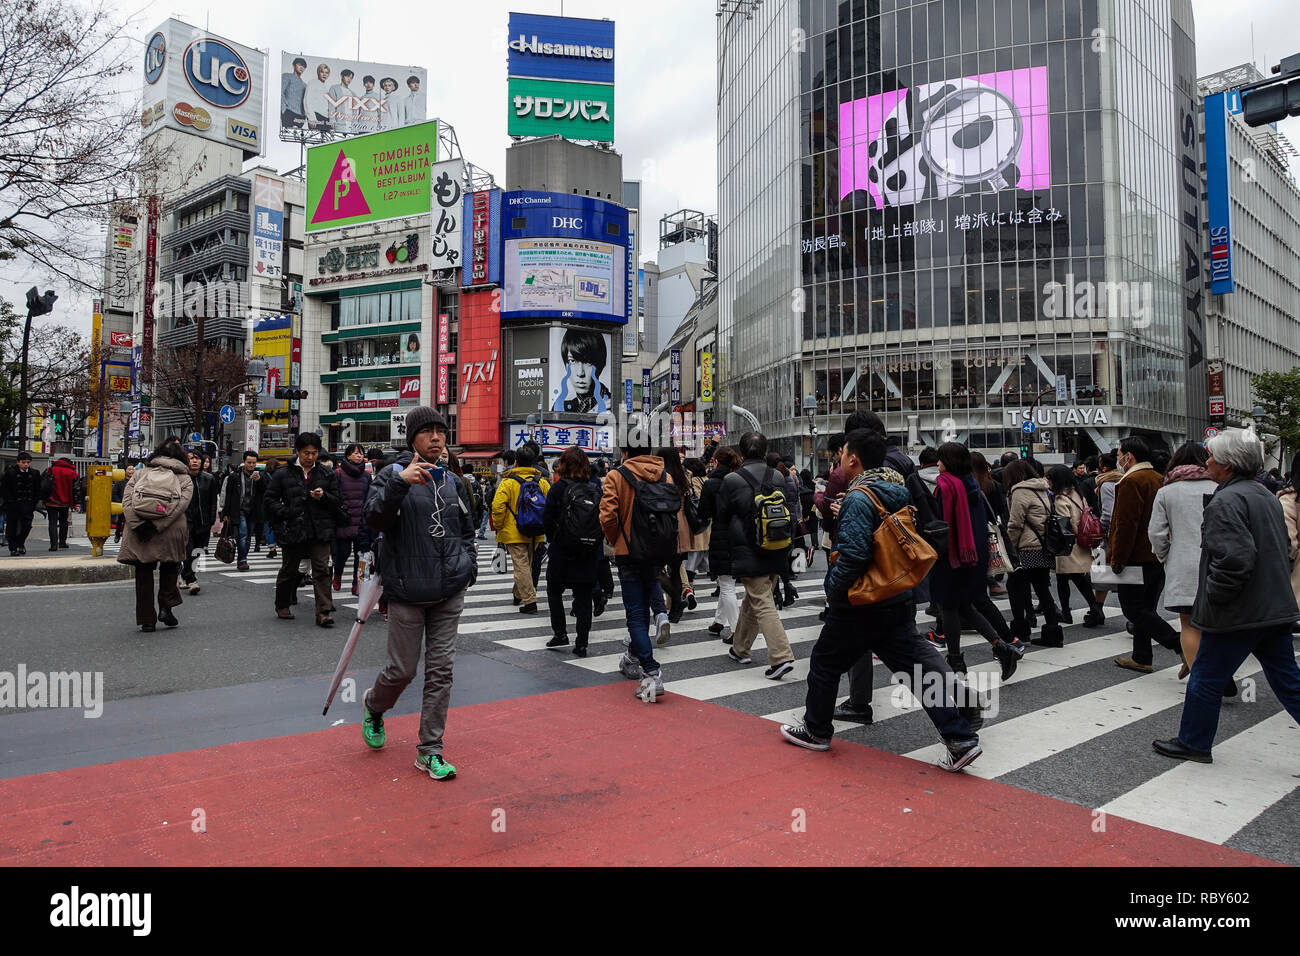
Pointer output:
885, 627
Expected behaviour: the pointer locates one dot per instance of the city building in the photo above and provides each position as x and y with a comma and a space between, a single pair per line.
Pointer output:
964, 217
1256, 327
687, 255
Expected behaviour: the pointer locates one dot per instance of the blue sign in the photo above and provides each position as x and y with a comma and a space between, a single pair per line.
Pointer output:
480, 244
561, 48
155, 57
627, 395
217, 73
1028, 427
196, 436
564, 257
675, 376
227, 414
1218, 196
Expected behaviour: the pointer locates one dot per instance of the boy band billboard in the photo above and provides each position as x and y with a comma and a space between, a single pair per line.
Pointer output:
573, 363
348, 97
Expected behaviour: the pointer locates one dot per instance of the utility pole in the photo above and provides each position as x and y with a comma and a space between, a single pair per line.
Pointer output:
201, 390
37, 304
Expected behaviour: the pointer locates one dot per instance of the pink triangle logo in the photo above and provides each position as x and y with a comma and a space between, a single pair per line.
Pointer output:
342, 197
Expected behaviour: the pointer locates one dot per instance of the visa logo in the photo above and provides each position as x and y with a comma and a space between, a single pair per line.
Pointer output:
241, 132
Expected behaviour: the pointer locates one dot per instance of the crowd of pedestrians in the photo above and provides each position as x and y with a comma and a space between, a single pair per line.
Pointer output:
1197, 534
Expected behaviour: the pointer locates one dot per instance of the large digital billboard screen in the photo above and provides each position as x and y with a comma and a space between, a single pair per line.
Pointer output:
349, 97
969, 135
565, 256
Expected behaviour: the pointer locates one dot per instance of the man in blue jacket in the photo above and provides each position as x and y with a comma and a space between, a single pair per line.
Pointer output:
886, 628
428, 561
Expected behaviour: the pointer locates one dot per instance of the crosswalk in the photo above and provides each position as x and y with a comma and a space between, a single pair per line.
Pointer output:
1069, 723
1056, 716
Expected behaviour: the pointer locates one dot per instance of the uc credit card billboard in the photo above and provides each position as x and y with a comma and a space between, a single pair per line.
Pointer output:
372, 178
564, 256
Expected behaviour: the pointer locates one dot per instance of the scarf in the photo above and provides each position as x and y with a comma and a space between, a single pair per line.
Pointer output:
883, 473
1106, 477
961, 544
1140, 466
1187, 473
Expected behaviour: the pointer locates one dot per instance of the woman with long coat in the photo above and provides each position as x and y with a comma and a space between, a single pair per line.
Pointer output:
571, 566
156, 531
726, 460
1076, 567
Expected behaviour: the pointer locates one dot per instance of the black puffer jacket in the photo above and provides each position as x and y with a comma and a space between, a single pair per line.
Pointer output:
295, 516
735, 509
1245, 574
719, 538
202, 510
354, 486
417, 567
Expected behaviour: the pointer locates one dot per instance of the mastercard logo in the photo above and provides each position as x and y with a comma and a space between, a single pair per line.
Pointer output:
195, 116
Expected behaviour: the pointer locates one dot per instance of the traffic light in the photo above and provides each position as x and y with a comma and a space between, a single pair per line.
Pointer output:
38, 304
1268, 104
1024, 449
293, 394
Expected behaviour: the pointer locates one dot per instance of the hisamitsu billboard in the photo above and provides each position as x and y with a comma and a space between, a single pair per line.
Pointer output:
561, 48
371, 178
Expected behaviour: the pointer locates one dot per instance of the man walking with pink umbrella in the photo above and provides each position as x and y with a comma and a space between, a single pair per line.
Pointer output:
427, 561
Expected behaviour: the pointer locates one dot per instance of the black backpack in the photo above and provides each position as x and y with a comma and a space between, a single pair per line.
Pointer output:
929, 514
46, 490
652, 534
578, 530
1058, 537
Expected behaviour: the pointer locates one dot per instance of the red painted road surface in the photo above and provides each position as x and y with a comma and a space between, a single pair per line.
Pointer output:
583, 777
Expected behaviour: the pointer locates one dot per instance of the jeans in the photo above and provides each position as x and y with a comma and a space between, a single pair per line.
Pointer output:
243, 537
268, 534
409, 625
582, 595
1138, 602
482, 525
58, 519
1217, 659
890, 632
638, 586
343, 549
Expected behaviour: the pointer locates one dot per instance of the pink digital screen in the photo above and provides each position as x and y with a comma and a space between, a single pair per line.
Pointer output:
976, 134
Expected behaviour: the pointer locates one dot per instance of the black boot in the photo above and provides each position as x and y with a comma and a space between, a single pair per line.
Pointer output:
1095, 617
1052, 636
1008, 655
957, 662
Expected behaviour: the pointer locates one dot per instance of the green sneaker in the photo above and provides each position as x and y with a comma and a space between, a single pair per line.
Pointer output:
435, 766
372, 725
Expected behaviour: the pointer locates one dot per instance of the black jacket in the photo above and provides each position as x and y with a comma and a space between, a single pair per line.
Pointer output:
21, 490
562, 567
719, 539
419, 568
1245, 575
202, 510
234, 493
735, 510
296, 517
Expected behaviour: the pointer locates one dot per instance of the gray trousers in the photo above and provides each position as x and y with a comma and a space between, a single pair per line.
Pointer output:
436, 624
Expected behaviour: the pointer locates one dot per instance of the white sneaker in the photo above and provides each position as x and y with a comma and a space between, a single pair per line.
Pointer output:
665, 629
651, 687
630, 667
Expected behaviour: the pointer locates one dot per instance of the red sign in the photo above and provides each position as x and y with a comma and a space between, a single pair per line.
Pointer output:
1218, 407
122, 339
150, 278
408, 391
479, 384
445, 355
481, 237
444, 384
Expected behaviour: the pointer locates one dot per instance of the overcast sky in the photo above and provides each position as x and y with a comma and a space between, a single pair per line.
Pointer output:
665, 75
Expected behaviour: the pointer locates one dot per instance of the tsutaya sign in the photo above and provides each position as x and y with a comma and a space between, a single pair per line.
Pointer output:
1061, 415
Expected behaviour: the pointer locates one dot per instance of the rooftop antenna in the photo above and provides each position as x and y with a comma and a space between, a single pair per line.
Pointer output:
358, 38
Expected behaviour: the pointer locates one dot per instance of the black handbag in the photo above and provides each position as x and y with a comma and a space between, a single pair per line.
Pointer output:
1057, 537
225, 551
691, 509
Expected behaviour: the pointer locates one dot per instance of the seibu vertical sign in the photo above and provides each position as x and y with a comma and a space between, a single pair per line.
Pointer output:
1218, 194
481, 261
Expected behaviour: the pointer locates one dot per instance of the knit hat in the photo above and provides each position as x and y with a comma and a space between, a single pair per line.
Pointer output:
420, 418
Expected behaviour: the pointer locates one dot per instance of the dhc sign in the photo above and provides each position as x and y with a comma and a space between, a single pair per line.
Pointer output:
1218, 195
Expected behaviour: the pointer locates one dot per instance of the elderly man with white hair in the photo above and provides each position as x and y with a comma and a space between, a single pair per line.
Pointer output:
1244, 604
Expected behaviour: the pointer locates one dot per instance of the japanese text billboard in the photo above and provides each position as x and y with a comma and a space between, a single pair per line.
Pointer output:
373, 178
348, 97
268, 227
550, 107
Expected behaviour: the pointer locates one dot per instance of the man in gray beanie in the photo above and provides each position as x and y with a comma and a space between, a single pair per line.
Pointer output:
428, 561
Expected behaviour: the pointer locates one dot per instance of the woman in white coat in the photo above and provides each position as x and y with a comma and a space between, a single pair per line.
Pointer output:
1175, 533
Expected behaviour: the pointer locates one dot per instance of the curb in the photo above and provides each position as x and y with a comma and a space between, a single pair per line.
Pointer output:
88, 573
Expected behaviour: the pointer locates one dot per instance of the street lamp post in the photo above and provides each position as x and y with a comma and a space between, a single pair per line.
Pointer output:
810, 409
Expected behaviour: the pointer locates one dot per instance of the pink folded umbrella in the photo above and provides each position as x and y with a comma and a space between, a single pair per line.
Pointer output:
367, 601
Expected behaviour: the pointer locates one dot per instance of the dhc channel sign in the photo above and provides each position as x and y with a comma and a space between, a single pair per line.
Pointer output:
217, 73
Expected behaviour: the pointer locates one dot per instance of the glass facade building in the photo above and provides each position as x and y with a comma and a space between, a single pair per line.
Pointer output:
962, 216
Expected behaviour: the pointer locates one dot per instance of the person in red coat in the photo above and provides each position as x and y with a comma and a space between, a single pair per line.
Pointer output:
59, 499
